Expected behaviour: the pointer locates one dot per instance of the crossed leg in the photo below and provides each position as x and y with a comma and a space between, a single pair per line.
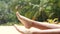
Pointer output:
38, 31
47, 28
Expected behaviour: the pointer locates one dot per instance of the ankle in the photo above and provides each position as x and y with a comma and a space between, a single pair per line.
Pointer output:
29, 25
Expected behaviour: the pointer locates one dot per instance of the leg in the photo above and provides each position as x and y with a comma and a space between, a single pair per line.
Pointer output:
49, 31
30, 23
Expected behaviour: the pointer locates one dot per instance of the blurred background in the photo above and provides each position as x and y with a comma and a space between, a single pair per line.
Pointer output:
38, 10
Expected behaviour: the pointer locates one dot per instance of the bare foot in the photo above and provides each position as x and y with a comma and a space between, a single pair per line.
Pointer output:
25, 21
22, 30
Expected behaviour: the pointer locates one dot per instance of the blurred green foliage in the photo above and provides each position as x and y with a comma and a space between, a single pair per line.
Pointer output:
39, 10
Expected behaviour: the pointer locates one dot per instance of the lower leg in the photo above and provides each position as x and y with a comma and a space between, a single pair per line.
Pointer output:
43, 25
30, 23
49, 31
